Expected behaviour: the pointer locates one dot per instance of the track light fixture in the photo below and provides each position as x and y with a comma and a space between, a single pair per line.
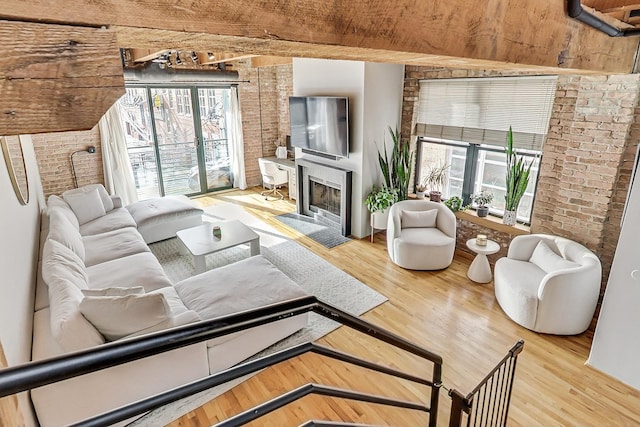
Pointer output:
194, 57
178, 60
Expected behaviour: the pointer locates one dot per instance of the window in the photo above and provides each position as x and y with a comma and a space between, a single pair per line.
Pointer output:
463, 123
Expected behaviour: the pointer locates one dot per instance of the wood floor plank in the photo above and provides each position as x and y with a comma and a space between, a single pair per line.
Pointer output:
444, 312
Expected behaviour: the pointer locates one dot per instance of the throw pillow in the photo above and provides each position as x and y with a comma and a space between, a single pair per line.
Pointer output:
117, 317
548, 260
62, 231
419, 219
86, 205
113, 292
60, 261
107, 201
58, 203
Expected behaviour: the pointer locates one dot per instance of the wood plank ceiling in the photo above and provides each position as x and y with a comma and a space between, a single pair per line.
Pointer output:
625, 12
63, 68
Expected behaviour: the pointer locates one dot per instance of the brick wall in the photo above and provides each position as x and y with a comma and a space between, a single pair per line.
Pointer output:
53, 151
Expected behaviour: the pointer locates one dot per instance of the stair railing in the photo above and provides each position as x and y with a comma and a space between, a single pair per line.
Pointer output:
39, 373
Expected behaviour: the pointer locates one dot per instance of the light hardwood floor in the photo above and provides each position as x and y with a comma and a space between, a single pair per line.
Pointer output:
444, 312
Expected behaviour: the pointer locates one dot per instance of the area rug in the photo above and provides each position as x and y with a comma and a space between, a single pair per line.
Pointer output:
315, 275
326, 235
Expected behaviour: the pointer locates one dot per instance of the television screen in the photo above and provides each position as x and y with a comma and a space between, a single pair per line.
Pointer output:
320, 124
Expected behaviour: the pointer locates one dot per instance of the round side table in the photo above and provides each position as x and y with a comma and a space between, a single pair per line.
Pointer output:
480, 270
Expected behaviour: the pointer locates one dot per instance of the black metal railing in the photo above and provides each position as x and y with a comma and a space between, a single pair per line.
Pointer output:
488, 403
36, 374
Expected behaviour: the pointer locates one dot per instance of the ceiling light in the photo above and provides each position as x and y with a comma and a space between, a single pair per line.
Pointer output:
178, 60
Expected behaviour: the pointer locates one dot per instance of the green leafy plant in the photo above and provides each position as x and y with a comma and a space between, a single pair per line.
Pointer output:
483, 198
518, 171
379, 200
455, 203
396, 170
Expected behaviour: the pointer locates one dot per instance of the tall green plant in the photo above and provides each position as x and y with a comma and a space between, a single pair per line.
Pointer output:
517, 175
397, 169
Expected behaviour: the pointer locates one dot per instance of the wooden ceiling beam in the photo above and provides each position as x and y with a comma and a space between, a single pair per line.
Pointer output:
219, 57
144, 55
270, 61
56, 77
526, 32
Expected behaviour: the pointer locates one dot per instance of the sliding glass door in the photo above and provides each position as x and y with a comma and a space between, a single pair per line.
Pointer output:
177, 139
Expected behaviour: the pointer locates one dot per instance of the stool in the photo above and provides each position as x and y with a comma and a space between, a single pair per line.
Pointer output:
159, 218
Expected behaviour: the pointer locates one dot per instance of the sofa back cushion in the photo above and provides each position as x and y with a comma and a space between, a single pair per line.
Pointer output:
64, 274
62, 231
106, 200
58, 202
85, 204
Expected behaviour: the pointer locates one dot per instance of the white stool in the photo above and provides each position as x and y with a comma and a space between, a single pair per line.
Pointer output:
480, 270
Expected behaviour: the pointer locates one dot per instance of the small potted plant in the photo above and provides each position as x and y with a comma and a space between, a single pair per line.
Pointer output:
421, 190
455, 203
434, 180
378, 202
482, 200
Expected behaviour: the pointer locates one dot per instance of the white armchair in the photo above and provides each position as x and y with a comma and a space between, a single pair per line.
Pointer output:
421, 235
548, 284
272, 177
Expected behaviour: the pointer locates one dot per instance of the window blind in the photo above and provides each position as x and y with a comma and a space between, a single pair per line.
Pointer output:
480, 110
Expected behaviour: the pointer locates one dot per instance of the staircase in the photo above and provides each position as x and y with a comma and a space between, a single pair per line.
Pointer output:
486, 405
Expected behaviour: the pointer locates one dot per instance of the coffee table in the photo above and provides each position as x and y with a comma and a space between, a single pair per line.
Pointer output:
199, 241
480, 270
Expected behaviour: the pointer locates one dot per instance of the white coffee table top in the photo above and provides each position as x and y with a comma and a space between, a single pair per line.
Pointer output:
199, 240
491, 247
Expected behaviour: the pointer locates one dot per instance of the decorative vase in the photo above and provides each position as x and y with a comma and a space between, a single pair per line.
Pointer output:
435, 196
482, 211
379, 219
281, 152
509, 217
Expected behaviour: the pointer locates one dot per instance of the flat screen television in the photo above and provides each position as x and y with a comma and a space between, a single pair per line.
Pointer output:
320, 124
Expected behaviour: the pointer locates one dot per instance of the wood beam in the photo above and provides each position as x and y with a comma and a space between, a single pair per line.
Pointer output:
144, 55
219, 57
55, 77
528, 32
270, 61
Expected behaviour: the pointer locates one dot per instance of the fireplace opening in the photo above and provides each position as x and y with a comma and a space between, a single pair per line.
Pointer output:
324, 197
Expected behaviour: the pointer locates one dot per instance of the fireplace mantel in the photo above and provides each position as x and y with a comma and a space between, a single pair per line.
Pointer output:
331, 176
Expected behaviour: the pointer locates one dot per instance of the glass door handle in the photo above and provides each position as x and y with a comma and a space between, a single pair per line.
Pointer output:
196, 142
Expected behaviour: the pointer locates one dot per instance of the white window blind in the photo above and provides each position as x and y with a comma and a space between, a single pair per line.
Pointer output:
480, 110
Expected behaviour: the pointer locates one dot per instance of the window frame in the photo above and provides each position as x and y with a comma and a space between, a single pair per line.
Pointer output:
471, 166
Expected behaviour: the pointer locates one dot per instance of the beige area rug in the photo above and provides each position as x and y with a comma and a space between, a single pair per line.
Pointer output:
315, 275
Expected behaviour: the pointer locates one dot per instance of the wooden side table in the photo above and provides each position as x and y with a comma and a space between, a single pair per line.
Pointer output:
480, 270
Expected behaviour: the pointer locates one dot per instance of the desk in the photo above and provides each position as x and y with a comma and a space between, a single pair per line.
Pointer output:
289, 166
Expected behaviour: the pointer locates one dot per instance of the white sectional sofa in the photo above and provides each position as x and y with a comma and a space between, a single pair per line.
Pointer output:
98, 282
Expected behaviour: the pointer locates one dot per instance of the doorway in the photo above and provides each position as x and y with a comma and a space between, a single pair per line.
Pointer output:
177, 139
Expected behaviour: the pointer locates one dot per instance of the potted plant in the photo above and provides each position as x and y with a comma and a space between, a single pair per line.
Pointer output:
434, 180
378, 202
455, 203
482, 200
421, 190
397, 169
517, 179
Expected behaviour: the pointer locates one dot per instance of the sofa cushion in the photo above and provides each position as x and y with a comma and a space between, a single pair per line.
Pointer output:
211, 294
419, 219
118, 316
111, 245
160, 209
134, 270
64, 274
58, 203
114, 220
62, 231
113, 292
105, 198
548, 260
58, 260
85, 204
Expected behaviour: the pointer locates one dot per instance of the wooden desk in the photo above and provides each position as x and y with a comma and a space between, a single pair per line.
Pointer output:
289, 166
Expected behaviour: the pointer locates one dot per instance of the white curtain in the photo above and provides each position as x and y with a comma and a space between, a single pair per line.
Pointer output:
118, 174
236, 141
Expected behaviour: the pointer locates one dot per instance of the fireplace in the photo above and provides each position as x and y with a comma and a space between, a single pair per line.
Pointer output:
324, 193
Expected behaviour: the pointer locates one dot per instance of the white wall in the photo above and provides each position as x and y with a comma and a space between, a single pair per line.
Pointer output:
19, 238
375, 102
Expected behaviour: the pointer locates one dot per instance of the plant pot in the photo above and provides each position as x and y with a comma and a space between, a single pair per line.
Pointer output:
483, 211
435, 196
420, 194
379, 219
509, 217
